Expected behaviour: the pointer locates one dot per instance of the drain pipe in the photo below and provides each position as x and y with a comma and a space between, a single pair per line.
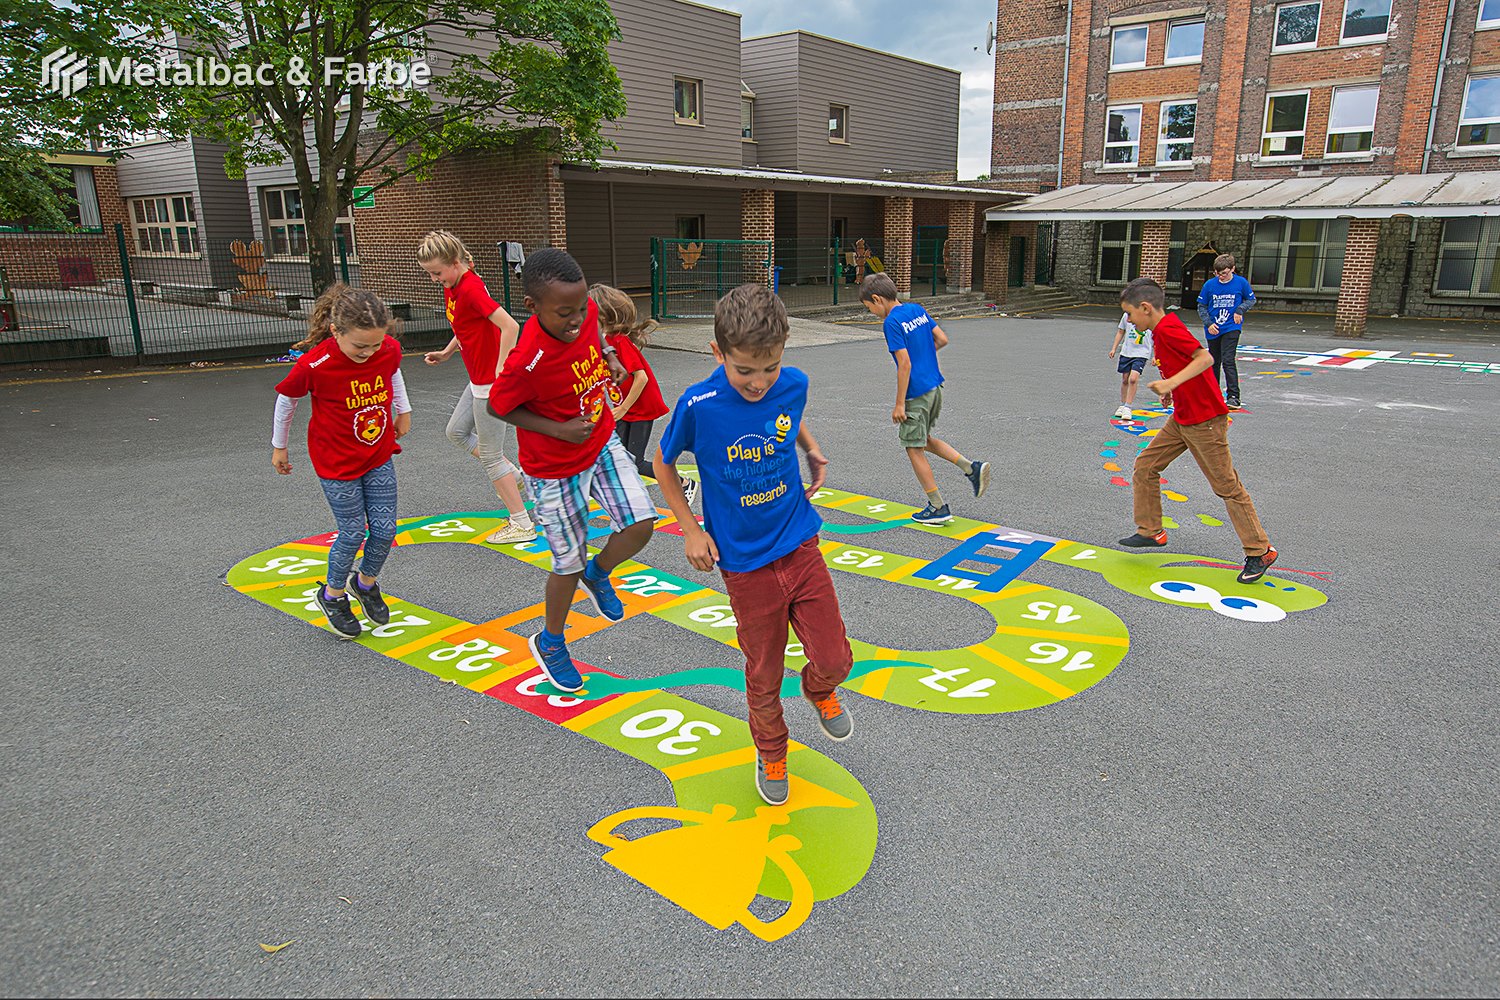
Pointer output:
1437, 89
1062, 116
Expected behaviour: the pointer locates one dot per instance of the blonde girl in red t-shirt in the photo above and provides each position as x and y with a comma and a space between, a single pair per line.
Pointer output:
485, 333
643, 403
352, 370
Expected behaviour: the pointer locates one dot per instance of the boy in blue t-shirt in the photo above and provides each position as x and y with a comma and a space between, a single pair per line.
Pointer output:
743, 424
1222, 304
914, 338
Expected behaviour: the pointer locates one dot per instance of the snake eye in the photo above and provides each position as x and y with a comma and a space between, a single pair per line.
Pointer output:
1248, 609
1187, 593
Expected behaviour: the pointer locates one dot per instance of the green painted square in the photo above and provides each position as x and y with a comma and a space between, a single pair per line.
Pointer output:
277, 566
665, 730
863, 561
464, 661
708, 615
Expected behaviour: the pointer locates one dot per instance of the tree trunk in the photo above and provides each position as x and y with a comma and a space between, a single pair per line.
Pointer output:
322, 244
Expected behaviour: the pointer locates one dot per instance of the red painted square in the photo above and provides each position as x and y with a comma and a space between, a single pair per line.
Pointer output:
1330, 362
521, 692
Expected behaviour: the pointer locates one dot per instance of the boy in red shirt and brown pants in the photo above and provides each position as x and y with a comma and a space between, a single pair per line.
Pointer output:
1199, 423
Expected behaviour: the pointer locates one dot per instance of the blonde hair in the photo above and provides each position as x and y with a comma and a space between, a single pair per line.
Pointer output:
444, 246
343, 309
617, 314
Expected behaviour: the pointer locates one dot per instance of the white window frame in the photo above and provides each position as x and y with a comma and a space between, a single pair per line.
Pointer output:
1135, 161
1162, 142
842, 135
1465, 120
696, 118
269, 224
1145, 49
1486, 237
1297, 46
1493, 21
146, 219
1182, 60
1344, 38
1266, 135
1328, 152
747, 118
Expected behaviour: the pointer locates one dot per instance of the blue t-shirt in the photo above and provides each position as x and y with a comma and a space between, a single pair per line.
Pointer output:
753, 504
909, 328
1222, 299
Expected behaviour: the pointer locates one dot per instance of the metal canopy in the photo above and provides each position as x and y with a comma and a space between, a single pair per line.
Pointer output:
776, 180
1369, 197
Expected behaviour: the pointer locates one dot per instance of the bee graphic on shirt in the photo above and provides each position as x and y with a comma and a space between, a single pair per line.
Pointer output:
783, 427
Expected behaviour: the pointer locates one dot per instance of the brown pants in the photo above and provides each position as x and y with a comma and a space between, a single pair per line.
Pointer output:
1209, 444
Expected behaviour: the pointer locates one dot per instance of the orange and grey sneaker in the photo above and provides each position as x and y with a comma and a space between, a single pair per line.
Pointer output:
833, 717
1140, 541
1256, 566
771, 780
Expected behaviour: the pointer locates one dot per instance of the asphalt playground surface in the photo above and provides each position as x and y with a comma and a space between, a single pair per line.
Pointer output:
1302, 807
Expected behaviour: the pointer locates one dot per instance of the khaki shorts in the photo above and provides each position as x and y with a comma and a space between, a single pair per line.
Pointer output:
921, 415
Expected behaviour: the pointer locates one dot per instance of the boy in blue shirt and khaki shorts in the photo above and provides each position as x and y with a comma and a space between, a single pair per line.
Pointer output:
744, 424
914, 338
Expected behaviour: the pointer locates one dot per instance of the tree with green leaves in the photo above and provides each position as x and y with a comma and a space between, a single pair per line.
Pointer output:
502, 72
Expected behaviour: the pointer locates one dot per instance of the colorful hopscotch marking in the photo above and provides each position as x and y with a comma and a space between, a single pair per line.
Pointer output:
1349, 358
728, 848
1354, 359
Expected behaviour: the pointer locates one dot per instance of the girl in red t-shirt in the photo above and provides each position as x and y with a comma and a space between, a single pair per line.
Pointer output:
352, 370
485, 333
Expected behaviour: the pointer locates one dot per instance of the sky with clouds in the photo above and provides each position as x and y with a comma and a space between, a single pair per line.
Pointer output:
950, 33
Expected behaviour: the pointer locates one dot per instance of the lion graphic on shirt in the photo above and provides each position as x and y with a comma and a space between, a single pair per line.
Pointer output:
370, 423
591, 404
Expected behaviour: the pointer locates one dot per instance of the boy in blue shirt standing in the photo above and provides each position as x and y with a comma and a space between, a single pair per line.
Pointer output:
741, 423
914, 338
1222, 304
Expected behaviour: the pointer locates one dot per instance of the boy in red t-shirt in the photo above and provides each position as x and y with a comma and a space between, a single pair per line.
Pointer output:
557, 389
1199, 423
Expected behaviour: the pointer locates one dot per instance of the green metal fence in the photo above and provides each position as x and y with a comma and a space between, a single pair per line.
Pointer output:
70, 296
689, 276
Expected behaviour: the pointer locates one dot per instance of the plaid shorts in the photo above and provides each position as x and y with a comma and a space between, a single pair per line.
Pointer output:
562, 505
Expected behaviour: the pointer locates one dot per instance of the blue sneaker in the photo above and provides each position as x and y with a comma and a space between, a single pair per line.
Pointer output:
556, 663
602, 593
933, 515
979, 478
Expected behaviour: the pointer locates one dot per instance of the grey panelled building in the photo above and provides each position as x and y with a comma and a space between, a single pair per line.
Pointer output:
793, 138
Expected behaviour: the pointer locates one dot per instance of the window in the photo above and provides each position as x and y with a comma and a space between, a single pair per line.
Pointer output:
1128, 48
1178, 122
75, 187
1489, 13
747, 118
1298, 254
1185, 42
1351, 120
690, 227
287, 229
1119, 252
1122, 136
1469, 257
687, 103
1286, 125
1366, 20
1479, 122
1297, 26
165, 225
838, 123
1176, 251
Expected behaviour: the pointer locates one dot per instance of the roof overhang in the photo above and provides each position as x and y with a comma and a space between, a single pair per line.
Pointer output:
629, 172
1370, 197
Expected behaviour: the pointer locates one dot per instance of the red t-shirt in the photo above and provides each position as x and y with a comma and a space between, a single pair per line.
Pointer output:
558, 380
1198, 399
350, 432
469, 310
648, 405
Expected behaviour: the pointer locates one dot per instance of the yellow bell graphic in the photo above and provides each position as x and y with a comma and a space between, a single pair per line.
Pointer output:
712, 864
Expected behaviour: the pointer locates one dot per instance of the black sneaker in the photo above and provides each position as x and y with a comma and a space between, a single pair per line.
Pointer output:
1140, 541
340, 618
933, 515
371, 602
689, 491
1256, 566
1233, 402
979, 478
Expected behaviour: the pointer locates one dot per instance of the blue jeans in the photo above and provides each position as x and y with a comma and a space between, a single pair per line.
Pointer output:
369, 500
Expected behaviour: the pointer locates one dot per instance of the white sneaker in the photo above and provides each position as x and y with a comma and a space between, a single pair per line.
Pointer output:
1123, 413
511, 532
689, 490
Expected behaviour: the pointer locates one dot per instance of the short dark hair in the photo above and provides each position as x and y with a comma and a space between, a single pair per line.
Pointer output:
750, 318
1144, 291
1223, 260
545, 266
879, 283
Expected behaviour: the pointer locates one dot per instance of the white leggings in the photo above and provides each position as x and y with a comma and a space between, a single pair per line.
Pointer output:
473, 424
